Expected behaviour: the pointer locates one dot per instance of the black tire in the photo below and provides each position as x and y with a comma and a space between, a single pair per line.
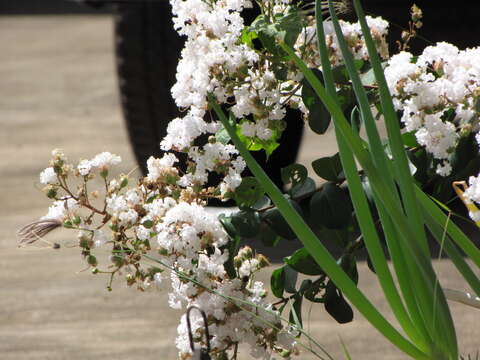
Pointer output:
147, 51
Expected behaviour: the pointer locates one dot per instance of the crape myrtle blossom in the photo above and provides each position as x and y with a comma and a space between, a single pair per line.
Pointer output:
101, 161
161, 213
472, 195
306, 45
438, 94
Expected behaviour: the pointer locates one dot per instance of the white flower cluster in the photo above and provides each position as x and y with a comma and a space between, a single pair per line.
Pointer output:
191, 242
472, 195
101, 161
438, 93
211, 53
306, 45
306, 48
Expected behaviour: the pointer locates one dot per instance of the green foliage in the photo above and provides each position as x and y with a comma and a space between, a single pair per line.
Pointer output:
248, 193
336, 305
318, 117
331, 207
329, 168
303, 262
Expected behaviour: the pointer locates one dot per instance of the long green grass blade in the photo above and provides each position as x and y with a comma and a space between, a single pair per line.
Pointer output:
404, 178
380, 161
456, 234
453, 253
360, 203
316, 249
445, 338
425, 275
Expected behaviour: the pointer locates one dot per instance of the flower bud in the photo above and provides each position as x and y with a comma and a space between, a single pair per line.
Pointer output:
92, 260
77, 220
123, 181
104, 173
237, 261
263, 261
117, 260
245, 253
68, 224
51, 192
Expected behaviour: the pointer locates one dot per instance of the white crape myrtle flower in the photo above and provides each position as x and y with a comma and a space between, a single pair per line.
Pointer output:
48, 176
444, 169
116, 204
158, 167
306, 44
472, 193
128, 217
437, 93
102, 161
84, 167
105, 160
61, 209
437, 136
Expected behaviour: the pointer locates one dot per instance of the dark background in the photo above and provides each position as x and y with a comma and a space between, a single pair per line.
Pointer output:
456, 22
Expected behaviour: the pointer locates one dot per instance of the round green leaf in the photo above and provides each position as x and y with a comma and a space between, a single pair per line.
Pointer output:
277, 282
294, 173
278, 224
329, 168
331, 207
336, 305
246, 223
303, 262
248, 192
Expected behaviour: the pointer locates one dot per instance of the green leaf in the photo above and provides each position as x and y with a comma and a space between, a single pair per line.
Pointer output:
355, 119
331, 207
248, 192
340, 73
291, 276
302, 189
329, 168
303, 262
261, 203
349, 265
248, 37
246, 223
409, 139
255, 143
226, 221
291, 24
222, 136
268, 237
294, 174
285, 27
336, 305
277, 282
319, 117
233, 246
278, 224
313, 290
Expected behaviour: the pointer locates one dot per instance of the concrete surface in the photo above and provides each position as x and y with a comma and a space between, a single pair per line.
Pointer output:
58, 89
